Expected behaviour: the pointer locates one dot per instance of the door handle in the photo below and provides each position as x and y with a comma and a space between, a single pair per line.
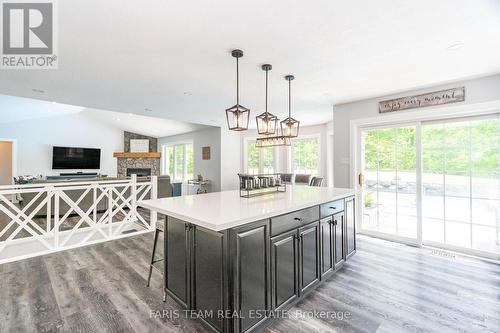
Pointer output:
361, 179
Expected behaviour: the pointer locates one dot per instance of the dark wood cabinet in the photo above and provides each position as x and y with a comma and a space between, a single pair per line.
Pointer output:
284, 269
350, 227
178, 260
309, 252
327, 243
252, 273
338, 224
209, 274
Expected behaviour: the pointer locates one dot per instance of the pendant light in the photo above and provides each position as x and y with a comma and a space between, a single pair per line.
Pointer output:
237, 116
272, 141
267, 123
290, 126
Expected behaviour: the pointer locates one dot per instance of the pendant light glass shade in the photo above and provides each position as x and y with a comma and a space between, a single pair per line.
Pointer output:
290, 126
237, 116
267, 123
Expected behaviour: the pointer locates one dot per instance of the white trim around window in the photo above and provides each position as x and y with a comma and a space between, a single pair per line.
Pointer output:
165, 163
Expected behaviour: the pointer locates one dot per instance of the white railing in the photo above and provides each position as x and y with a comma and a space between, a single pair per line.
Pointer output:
37, 219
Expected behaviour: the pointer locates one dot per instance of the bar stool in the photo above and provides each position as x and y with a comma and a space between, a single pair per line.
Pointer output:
160, 227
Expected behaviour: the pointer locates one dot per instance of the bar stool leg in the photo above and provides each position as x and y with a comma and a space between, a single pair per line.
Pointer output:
153, 256
165, 262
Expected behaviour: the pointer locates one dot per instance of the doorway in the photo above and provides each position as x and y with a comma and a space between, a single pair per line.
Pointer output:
6, 162
433, 183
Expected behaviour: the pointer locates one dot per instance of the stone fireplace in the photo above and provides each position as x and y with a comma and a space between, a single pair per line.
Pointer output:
138, 163
127, 164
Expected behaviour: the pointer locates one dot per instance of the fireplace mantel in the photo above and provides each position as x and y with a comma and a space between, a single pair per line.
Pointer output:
136, 155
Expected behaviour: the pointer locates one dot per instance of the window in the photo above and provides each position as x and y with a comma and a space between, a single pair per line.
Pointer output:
177, 161
260, 160
305, 156
252, 158
267, 159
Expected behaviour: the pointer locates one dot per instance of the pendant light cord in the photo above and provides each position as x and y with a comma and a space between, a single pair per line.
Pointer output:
289, 98
267, 71
237, 82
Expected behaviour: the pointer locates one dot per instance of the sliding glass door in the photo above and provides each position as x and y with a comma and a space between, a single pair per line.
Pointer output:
460, 179
434, 183
389, 194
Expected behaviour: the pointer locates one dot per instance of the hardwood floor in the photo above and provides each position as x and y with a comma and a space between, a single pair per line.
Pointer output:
384, 287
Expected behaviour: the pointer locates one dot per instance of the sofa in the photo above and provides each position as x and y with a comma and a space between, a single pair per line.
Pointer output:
164, 191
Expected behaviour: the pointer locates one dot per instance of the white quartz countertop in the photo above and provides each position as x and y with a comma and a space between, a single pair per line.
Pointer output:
223, 210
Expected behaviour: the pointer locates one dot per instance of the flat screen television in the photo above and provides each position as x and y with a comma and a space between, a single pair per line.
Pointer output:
76, 158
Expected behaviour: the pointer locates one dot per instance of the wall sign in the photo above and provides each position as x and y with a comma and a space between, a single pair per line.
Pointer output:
139, 145
419, 101
205, 153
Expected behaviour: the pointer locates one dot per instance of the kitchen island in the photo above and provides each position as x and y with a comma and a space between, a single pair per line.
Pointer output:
237, 262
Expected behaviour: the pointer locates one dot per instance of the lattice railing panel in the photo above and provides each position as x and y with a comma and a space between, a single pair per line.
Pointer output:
38, 219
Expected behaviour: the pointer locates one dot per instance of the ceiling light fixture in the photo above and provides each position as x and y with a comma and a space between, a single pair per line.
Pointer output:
266, 122
290, 126
272, 141
237, 116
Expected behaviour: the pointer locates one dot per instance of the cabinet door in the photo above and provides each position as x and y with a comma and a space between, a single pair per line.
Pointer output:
338, 223
251, 262
327, 243
178, 260
209, 278
350, 227
284, 269
308, 256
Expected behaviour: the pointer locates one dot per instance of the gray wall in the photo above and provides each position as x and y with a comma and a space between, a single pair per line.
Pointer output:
480, 90
209, 169
230, 146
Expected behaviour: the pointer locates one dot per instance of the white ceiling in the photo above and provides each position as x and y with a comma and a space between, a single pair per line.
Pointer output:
13, 109
173, 57
151, 126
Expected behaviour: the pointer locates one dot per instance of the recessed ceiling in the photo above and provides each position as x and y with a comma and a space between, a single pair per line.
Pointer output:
173, 57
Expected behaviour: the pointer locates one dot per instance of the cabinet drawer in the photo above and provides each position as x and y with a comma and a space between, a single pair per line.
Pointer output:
293, 220
331, 208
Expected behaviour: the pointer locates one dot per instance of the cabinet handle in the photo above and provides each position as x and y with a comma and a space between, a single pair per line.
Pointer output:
333, 208
298, 219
